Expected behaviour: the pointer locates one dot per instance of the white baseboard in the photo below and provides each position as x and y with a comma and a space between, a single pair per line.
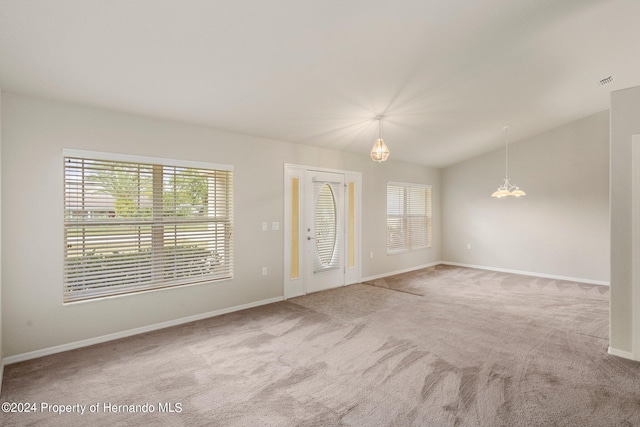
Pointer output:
405, 270
620, 353
483, 267
528, 273
123, 334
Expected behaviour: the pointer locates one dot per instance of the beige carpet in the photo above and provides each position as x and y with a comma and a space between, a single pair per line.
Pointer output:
464, 348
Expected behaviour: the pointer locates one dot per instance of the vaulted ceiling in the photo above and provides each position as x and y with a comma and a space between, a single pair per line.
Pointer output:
447, 75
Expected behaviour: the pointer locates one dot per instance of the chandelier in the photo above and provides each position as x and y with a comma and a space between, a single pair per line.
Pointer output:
507, 188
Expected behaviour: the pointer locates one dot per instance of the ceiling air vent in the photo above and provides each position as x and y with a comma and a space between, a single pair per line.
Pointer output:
605, 81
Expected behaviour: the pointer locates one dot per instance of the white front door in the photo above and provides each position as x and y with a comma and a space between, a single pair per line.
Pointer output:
324, 230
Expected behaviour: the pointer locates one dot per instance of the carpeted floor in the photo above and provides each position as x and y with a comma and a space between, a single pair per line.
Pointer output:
445, 346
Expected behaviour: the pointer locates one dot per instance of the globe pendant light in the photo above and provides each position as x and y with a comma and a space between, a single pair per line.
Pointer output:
507, 188
379, 152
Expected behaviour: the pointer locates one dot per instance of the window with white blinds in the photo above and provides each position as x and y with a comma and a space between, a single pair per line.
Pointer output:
134, 224
408, 217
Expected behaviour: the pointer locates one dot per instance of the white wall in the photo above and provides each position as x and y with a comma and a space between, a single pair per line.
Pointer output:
625, 114
35, 131
560, 228
1, 335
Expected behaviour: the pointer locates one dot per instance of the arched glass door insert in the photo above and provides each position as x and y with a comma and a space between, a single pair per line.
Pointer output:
326, 226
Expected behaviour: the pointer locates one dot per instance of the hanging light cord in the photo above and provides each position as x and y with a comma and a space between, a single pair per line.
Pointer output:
506, 151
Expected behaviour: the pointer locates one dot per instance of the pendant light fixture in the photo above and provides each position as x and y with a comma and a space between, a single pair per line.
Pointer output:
507, 188
379, 152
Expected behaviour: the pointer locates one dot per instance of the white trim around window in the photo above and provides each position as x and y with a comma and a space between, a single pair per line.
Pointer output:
409, 219
135, 223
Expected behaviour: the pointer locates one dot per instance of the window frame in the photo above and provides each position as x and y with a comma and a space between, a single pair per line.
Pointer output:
404, 217
157, 163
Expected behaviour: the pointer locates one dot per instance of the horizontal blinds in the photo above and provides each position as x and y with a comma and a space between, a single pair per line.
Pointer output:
133, 226
408, 217
327, 226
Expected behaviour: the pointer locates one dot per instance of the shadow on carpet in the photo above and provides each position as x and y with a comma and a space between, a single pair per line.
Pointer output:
413, 282
446, 278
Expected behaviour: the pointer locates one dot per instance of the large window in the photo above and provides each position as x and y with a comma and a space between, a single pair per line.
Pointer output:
133, 224
408, 217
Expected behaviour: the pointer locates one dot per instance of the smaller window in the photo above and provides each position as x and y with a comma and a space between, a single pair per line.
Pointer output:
408, 217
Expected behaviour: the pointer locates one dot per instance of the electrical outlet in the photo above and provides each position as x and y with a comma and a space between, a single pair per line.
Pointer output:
264, 271
371, 255
264, 226
468, 246
275, 226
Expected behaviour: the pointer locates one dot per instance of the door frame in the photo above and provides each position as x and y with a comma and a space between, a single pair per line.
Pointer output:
295, 265
635, 249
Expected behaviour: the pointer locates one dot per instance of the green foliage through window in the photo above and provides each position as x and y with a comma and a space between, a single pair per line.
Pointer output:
138, 226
